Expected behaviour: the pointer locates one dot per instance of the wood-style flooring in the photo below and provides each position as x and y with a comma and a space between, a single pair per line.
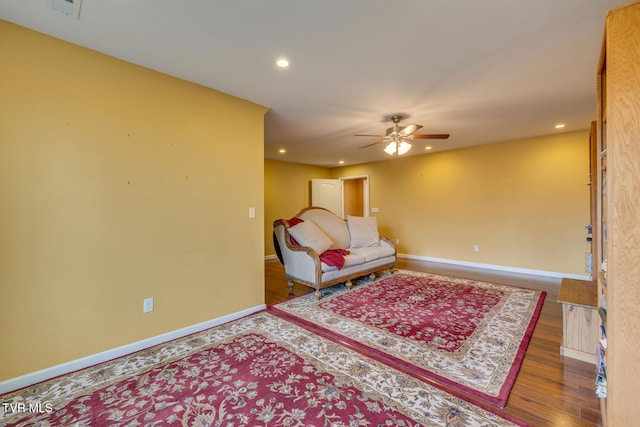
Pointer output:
551, 390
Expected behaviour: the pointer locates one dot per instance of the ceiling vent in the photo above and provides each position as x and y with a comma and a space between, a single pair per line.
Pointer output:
68, 7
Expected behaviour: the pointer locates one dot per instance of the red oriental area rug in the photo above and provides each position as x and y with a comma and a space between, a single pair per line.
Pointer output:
258, 371
466, 334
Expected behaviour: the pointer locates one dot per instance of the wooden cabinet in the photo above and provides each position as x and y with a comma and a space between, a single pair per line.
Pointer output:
617, 253
580, 319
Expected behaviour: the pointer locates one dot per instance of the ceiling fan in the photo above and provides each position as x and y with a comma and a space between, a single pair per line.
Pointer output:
398, 137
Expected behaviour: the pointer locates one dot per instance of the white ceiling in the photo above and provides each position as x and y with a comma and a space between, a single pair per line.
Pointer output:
483, 71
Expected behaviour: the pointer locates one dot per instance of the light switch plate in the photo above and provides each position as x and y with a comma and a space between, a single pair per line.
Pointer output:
147, 305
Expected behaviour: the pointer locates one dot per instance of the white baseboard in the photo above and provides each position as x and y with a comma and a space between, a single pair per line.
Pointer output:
484, 266
498, 267
74, 365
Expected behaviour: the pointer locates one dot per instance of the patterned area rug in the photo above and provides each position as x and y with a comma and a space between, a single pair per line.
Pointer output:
468, 335
257, 371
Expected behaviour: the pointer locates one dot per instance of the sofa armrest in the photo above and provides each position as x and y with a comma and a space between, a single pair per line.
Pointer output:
386, 242
300, 262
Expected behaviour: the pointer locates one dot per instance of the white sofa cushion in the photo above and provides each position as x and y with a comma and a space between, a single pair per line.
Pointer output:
308, 234
363, 231
373, 253
334, 227
349, 260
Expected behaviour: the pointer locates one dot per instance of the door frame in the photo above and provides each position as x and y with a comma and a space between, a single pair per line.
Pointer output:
365, 191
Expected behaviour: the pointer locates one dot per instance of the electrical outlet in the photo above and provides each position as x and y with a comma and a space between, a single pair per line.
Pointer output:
147, 305
397, 241
476, 248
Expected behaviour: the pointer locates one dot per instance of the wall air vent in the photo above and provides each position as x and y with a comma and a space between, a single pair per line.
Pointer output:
68, 7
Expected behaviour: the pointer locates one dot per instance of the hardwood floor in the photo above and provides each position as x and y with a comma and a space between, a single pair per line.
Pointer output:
550, 390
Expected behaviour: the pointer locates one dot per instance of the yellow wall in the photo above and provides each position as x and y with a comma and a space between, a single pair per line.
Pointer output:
286, 190
118, 183
524, 203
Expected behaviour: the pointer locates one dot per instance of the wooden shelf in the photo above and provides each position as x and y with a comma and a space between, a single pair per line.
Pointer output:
580, 319
579, 292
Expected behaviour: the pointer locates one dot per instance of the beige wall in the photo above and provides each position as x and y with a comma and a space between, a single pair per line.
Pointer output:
524, 203
118, 183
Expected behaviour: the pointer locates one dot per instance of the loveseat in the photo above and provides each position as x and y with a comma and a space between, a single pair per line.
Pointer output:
319, 249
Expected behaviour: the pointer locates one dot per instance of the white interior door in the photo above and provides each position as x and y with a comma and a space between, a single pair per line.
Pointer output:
327, 193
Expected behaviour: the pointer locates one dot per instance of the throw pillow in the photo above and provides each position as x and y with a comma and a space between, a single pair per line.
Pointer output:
363, 231
308, 234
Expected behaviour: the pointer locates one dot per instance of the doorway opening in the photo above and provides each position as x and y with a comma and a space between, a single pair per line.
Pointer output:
355, 200
343, 196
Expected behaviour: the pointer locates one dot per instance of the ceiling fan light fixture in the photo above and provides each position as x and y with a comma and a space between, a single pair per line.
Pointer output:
397, 137
403, 148
397, 147
391, 148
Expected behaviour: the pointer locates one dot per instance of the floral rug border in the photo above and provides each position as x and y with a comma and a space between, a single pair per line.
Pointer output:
409, 355
426, 404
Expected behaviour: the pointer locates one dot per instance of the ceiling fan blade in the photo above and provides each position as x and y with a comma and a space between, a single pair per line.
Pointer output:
409, 129
432, 136
362, 134
372, 144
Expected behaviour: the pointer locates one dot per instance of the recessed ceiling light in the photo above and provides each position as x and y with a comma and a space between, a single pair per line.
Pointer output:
559, 125
428, 147
341, 162
282, 62
282, 151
